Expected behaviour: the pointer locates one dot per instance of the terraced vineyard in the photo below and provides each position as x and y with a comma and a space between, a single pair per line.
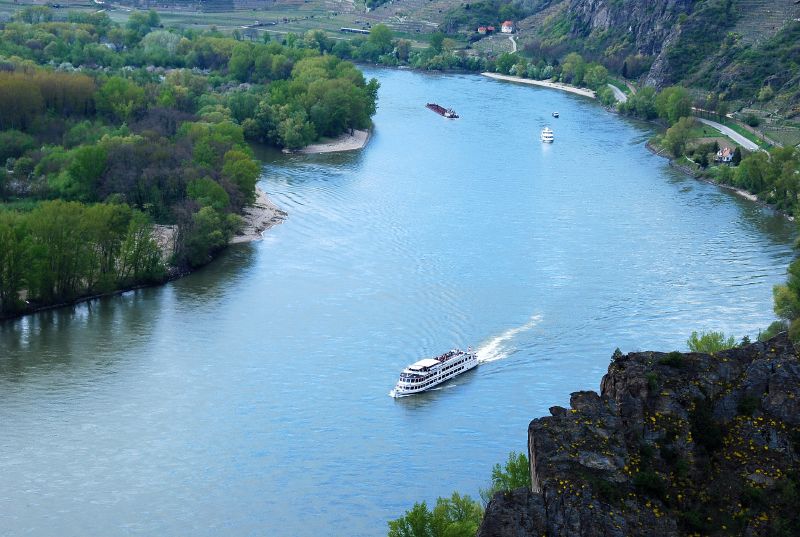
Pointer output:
761, 19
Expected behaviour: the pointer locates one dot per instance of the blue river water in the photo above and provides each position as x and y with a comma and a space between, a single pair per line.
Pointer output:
250, 398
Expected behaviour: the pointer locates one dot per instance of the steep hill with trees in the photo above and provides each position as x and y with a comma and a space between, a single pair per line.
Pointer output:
731, 47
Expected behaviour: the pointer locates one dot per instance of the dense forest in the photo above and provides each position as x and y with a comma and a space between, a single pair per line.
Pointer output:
109, 132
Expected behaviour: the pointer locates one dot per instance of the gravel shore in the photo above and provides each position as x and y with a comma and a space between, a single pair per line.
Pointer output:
555, 85
345, 142
258, 217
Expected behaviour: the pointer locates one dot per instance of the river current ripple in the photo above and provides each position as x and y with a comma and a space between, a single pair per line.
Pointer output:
250, 398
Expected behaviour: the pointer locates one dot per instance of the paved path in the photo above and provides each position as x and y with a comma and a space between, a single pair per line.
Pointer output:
730, 133
513, 43
618, 93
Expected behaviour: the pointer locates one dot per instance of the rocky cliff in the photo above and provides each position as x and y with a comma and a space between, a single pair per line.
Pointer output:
675, 444
701, 43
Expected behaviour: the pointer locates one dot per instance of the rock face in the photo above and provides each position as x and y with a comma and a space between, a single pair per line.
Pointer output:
675, 444
645, 24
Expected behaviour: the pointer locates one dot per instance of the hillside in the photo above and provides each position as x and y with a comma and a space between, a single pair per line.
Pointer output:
730, 47
674, 444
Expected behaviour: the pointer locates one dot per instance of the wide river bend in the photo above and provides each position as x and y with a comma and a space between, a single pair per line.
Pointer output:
250, 398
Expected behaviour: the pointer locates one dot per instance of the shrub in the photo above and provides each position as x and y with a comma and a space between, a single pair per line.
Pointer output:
514, 475
710, 342
752, 120
673, 359
650, 483
457, 516
705, 430
605, 490
695, 521
652, 382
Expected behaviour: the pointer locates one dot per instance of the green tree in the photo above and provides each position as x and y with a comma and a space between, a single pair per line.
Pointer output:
35, 14
515, 474
596, 77
737, 156
416, 522
161, 47
140, 258
381, 37
88, 162
642, 104
505, 62
14, 143
753, 173
606, 96
20, 101
437, 42
241, 62
13, 260
105, 226
208, 193
403, 49
709, 342
120, 98
209, 232
787, 300
318, 40
457, 516
139, 24
678, 135
673, 103
573, 68
58, 251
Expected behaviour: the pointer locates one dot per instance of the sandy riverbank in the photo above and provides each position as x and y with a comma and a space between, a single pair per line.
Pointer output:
258, 217
345, 142
543, 83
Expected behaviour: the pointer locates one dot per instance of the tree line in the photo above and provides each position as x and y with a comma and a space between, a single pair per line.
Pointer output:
63, 250
104, 126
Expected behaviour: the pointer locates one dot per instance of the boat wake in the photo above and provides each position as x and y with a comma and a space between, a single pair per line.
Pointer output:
496, 348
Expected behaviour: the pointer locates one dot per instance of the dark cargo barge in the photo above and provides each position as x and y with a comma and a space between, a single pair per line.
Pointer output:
449, 113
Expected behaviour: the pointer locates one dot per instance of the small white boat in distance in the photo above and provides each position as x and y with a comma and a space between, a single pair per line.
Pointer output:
555, 114
547, 135
429, 372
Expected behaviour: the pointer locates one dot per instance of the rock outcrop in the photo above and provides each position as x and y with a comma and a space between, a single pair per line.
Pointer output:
675, 444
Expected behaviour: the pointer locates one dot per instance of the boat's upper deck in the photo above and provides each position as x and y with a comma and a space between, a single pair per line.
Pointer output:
428, 364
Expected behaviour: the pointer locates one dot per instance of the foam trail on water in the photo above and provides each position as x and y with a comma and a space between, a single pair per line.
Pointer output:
494, 349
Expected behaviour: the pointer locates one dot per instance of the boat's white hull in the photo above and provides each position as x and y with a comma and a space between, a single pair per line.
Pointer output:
437, 379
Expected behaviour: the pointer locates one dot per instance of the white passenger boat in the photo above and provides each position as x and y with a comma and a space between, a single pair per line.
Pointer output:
429, 372
547, 135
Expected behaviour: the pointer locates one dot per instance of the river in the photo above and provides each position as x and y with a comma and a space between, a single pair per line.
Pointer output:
250, 398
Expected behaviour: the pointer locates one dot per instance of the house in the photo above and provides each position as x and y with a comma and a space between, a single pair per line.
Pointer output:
490, 29
724, 155
482, 30
507, 27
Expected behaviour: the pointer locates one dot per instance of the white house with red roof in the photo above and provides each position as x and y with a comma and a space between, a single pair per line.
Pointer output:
724, 155
507, 27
